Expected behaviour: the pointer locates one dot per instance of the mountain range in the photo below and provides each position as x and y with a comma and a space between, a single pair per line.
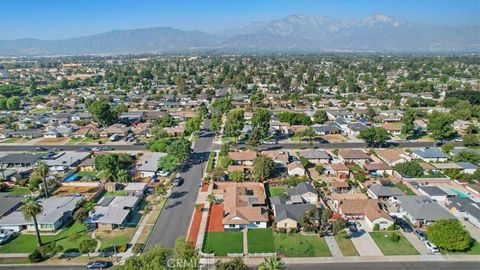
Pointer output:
376, 33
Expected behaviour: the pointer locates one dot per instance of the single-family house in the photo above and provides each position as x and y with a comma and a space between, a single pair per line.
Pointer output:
295, 168
353, 156
288, 216
9, 203
303, 192
421, 210
378, 168
112, 212
430, 155
437, 193
242, 157
393, 156
136, 189
378, 191
147, 165
465, 208
316, 156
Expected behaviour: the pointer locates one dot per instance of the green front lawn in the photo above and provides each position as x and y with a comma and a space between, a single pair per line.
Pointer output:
260, 241
116, 193
474, 250
274, 191
228, 139
405, 189
346, 245
222, 243
117, 238
19, 191
298, 245
69, 238
388, 247
10, 140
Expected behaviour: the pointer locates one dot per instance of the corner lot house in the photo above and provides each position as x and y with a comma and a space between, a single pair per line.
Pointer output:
244, 204
465, 208
112, 212
430, 155
147, 166
57, 211
421, 210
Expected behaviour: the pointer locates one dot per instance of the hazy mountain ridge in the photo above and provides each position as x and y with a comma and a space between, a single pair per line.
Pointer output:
377, 32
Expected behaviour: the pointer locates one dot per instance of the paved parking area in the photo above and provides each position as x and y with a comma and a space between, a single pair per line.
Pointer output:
364, 244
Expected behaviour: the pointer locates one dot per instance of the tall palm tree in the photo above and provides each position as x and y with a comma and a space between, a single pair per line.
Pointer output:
30, 209
271, 263
41, 170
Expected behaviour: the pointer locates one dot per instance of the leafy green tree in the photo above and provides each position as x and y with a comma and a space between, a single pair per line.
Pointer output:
263, 167
87, 246
450, 235
320, 117
185, 255
261, 122
408, 126
161, 190
102, 113
193, 125
448, 147
468, 156
440, 126
180, 149
14, 103
237, 176
168, 163
409, 169
470, 140
107, 162
123, 176
294, 118
234, 122
375, 136
31, 208
165, 121
154, 259
223, 105
160, 145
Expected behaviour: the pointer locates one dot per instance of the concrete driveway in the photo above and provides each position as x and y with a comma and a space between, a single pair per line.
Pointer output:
416, 243
364, 244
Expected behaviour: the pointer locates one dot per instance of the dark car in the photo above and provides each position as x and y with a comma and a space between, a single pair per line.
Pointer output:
352, 227
420, 234
405, 226
106, 148
40, 149
98, 265
177, 182
85, 149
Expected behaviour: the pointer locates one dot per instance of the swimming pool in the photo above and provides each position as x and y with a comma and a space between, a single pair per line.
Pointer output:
71, 177
459, 193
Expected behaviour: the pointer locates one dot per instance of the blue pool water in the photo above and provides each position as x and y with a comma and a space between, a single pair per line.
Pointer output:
72, 177
459, 193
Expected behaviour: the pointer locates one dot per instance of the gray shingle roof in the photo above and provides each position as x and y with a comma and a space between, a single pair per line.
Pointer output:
466, 205
430, 153
301, 189
423, 208
292, 211
384, 191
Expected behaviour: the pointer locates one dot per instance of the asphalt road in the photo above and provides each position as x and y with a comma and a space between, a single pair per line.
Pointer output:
437, 265
344, 145
175, 217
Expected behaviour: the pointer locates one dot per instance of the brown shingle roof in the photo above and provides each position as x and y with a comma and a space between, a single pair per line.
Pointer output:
243, 156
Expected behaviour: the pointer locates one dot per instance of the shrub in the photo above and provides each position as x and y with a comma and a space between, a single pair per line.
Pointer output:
376, 227
395, 237
36, 256
137, 248
393, 227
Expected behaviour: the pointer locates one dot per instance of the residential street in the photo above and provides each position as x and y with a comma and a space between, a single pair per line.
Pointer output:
175, 217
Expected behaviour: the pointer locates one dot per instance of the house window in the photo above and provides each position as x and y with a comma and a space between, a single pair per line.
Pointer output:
231, 226
257, 222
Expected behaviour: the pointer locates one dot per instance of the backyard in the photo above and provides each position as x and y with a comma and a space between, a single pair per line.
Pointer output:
274, 191
221, 243
260, 241
298, 245
345, 244
405, 189
389, 247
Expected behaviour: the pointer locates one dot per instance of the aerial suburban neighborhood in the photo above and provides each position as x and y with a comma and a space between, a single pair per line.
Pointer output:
236, 160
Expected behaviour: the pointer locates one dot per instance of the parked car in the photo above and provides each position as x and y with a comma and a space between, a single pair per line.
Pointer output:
85, 149
98, 265
431, 247
420, 234
40, 149
405, 226
177, 182
352, 227
106, 148
6, 235
163, 173
270, 142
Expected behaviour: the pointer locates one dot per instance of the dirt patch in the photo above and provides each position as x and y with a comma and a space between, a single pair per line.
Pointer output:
52, 141
71, 190
335, 138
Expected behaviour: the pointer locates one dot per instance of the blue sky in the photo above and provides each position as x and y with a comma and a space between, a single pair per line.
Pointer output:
56, 19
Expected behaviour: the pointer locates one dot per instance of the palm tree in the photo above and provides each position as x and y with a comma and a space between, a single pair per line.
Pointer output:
271, 263
41, 170
123, 176
30, 209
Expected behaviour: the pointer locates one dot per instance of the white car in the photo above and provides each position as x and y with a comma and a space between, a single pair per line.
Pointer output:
6, 236
163, 173
431, 247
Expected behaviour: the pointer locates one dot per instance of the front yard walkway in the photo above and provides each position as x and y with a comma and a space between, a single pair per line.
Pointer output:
245, 240
365, 245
